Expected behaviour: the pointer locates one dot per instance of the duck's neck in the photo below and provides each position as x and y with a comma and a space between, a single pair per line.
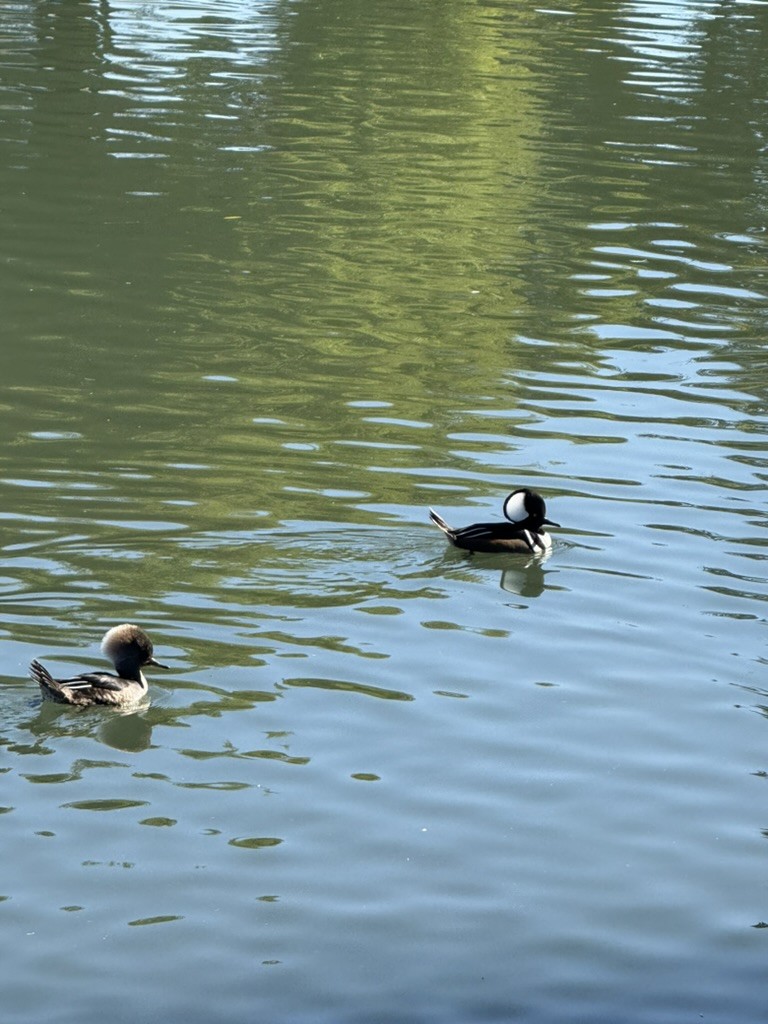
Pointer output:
132, 672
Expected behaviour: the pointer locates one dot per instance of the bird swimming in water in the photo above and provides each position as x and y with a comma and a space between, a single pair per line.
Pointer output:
523, 532
129, 649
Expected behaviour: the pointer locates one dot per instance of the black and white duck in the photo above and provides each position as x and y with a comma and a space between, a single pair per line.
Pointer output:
523, 533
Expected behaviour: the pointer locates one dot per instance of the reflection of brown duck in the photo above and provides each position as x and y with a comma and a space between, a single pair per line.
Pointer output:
129, 649
523, 533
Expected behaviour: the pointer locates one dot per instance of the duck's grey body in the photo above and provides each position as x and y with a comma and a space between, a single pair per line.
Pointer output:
523, 533
129, 649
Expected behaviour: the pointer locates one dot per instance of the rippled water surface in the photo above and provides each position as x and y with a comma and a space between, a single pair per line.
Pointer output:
278, 276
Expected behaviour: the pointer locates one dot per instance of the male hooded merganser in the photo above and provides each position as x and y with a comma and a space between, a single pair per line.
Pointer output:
129, 649
524, 533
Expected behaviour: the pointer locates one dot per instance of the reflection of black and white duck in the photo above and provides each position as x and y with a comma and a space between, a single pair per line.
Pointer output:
523, 532
129, 649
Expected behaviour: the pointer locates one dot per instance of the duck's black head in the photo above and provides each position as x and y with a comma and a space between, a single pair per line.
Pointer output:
526, 509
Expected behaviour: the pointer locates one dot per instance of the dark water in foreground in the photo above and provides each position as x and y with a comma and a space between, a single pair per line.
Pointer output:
279, 276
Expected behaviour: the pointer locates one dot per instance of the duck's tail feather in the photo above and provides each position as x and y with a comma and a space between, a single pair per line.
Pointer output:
441, 523
49, 687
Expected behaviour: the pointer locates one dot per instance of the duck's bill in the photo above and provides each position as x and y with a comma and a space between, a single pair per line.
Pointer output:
548, 522
157, 664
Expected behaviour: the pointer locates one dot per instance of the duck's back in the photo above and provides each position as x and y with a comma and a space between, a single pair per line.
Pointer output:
88, 688
501, 537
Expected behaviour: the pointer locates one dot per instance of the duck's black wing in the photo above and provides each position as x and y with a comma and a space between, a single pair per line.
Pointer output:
95, 680
493, 537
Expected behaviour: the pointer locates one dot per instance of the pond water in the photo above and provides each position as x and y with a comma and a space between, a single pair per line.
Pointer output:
279, 276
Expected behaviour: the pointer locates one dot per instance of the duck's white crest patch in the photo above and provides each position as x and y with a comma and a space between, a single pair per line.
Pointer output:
514, 507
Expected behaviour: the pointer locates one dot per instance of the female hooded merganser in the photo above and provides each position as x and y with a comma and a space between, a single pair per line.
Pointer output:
129, 649
524, 533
